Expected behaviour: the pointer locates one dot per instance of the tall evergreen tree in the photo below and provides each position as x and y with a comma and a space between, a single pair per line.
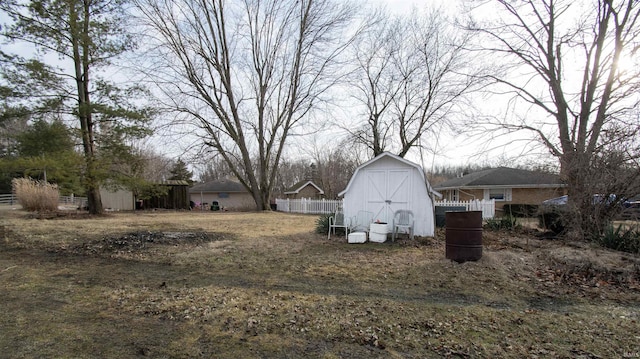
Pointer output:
85, 36
180, 171
47, 150
42, 150
44, 138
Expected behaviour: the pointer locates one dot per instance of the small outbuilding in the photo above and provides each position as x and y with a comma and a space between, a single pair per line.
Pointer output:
389, 183
176, 196
305, 189
117, 199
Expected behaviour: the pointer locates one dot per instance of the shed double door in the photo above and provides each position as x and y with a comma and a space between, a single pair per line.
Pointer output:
386, 192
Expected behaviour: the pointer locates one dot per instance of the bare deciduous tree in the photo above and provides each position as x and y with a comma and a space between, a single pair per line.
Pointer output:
563, 71
247, 73
291, 172
335, 168
215, 168
330, 168
410, 79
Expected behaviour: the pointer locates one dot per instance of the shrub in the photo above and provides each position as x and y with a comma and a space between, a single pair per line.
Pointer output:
621, 239
504, 222
322, 224
36, 195
552, 219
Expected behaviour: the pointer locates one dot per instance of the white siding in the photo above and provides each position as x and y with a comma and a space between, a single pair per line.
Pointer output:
389, 183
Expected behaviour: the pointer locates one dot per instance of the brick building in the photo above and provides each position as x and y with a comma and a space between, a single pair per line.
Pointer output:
504, 185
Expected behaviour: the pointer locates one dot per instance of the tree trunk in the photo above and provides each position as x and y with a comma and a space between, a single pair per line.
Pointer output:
94, 200
262, 200
81, 66
584, 218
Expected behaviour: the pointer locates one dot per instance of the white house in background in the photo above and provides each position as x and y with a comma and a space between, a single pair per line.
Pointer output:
389, 183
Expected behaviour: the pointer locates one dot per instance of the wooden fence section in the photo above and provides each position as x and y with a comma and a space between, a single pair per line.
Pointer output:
488, 207
310, 206
314, 206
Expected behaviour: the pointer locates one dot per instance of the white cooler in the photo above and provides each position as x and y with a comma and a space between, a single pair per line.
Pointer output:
378, 232
357, 237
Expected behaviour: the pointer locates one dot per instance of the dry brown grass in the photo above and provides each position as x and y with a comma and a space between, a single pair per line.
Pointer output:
229, 285
36, 195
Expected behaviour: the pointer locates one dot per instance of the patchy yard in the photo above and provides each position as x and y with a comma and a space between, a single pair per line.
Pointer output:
230, 285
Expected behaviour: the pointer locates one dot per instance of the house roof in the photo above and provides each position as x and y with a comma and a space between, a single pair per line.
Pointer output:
503, 177
398, 158
224, 185
296, 188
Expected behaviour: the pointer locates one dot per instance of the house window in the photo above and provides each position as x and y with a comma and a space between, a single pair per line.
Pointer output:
498, 194
223, 195
454, 195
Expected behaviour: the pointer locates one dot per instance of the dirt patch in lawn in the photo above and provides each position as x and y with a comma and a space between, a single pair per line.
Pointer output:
264, 285
137, 243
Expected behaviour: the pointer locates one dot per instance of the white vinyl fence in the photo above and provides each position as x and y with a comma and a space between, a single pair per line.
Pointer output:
8, 199
11, 199
310, 206
488, 207
315, 206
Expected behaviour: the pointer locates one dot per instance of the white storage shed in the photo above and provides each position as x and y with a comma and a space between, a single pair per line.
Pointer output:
389, 183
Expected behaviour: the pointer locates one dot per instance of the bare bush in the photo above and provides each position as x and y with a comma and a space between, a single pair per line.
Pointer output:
36, 196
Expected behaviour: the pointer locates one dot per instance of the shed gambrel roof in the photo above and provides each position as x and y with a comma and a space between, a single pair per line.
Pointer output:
397, 158
225, 185
296, 188
503, 177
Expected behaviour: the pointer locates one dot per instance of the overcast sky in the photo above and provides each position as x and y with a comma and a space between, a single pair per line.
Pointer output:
451, 150
454, 150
